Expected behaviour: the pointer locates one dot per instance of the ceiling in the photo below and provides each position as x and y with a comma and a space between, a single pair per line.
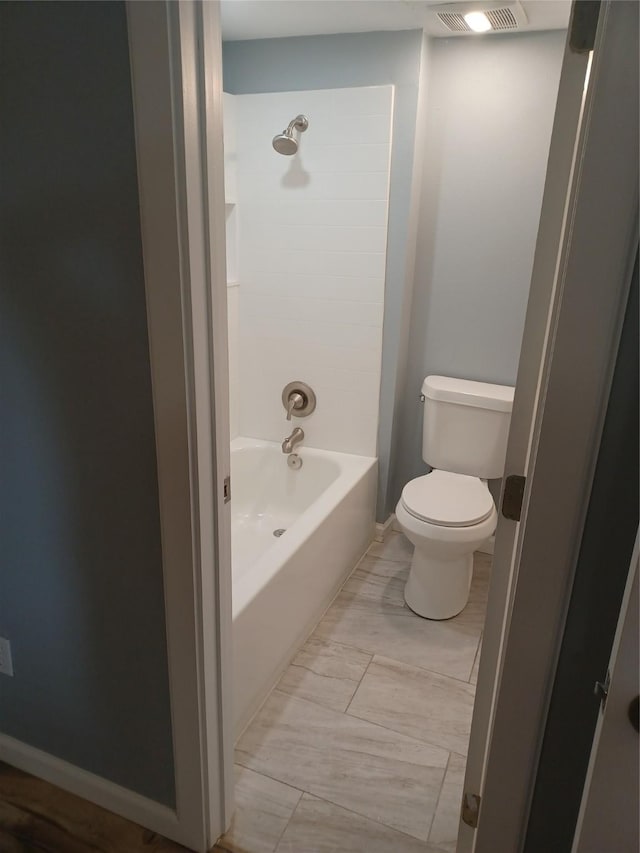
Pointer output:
256, 19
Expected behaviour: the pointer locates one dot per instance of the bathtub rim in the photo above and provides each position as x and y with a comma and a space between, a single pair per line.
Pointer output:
352, 469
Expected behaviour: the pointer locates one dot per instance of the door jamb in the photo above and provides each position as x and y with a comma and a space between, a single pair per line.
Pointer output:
180, 167
599, 247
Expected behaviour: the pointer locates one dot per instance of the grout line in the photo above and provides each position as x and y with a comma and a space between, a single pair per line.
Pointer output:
423, 669
475, 657
273, 778
435, 811
344, 645
346, 710
419, 740
404, 560
290, 818
392, 533
360, 595
362, 720
364, 817
309, 636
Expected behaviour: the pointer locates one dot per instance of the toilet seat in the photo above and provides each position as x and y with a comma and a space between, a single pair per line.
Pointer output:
448, 500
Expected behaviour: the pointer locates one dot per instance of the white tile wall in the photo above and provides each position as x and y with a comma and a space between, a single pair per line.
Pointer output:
311, 253
229, 126
233, 291
233, 316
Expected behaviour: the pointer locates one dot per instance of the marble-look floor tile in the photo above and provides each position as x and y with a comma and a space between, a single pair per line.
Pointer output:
368, 769
385, 579
326, 673
444, 829
482, 566
395, 547
473, 616
321, 827
370, 613
379, 579
424, 705
263, 808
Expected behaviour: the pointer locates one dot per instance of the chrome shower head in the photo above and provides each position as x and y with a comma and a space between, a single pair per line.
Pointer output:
285, 142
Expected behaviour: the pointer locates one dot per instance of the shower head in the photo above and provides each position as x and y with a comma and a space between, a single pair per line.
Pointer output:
285, 142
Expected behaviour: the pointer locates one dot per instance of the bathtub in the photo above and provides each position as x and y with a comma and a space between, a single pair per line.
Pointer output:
283, 584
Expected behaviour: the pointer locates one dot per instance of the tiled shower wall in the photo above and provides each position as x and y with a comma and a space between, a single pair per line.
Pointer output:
233, 292
311, 244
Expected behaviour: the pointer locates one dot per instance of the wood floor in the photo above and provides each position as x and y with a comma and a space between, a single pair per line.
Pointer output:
37, 816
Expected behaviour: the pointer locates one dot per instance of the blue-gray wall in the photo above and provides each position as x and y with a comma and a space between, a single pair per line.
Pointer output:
490, 107
81, 588
340, 61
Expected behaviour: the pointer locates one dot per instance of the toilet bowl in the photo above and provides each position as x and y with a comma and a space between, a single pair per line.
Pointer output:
446, 517
449, 513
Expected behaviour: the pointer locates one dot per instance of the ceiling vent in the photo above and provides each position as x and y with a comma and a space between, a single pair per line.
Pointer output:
502, 17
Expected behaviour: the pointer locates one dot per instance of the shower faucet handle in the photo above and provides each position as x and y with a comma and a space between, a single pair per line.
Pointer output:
294, 401
298, 399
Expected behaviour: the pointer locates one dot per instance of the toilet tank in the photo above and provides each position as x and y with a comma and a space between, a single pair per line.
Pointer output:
466, 425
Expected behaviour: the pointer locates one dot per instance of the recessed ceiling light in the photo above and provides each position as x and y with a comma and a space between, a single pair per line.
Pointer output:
478, 21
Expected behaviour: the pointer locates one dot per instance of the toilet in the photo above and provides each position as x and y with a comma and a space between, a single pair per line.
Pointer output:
449, 513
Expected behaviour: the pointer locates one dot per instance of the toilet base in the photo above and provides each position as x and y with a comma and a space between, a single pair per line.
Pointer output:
438, 589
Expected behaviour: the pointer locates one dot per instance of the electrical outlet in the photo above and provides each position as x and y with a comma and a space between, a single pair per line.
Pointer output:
6, 664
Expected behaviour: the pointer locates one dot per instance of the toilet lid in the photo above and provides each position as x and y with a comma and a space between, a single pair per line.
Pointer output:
449, 500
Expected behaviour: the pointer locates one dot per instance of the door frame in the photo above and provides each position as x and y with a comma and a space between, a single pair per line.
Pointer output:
176, 62
176, 65
175, 54
559, 408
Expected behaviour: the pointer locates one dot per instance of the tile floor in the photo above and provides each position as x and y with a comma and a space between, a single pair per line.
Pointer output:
362, 745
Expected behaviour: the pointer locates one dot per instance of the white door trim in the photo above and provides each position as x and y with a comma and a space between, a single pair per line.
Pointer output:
174, 86
182, 287
555, 442
214, 358
541, 296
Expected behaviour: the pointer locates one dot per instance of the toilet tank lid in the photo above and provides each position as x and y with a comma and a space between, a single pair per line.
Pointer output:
498, 398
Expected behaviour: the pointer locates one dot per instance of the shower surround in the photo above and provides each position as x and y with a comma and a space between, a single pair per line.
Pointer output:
307, 244
311, 251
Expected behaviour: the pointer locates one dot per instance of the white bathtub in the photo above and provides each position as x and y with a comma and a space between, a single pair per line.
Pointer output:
282, 586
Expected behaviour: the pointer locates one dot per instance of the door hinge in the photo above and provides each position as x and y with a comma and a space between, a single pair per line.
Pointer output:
512, 496
471, 809
583, 25
226, 489
601, 690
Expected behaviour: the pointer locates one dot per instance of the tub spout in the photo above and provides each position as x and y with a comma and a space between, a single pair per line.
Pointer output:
290, 441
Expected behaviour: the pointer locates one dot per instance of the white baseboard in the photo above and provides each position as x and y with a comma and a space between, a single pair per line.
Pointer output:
488, 546
383, 530
90, 787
